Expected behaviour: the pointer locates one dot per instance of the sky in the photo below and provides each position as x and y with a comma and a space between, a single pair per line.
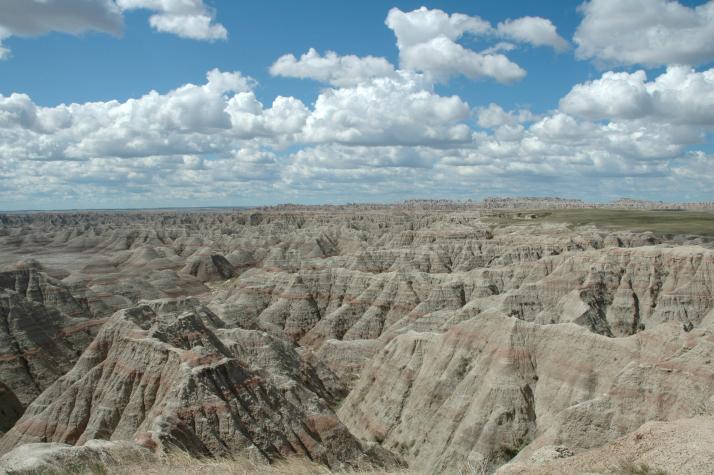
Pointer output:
157, 103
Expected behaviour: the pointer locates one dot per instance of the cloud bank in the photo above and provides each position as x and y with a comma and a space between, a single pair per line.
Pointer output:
375, 131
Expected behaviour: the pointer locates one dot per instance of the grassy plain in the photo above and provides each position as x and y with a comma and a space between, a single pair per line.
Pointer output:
661, 222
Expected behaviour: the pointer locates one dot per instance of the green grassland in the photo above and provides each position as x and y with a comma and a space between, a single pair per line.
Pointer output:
660, 222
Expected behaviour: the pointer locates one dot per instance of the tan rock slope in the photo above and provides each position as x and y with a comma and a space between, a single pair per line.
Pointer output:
166, 379
683, 447
493, 387
618, 291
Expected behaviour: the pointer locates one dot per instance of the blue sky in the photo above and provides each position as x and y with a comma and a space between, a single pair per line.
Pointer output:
98, 67
528, 98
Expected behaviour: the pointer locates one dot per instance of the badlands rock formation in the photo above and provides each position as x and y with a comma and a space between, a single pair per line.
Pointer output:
493, 387
166, 379
44, 330
442, 340
683, 446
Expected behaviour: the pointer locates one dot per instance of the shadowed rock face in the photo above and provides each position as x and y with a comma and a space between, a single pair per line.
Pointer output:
10, 408
209, 267
443, 337
37, 286
44, 327
38, 344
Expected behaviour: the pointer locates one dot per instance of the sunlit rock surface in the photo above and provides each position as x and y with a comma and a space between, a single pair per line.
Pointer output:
441, 339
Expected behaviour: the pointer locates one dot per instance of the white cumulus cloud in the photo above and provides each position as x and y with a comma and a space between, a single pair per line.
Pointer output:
185, 18
440, 58
331, 68
428, 42
534, 30
399, 110
646, 32
494, 116
679, 95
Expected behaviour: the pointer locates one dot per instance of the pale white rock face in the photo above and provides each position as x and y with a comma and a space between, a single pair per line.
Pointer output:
55, 457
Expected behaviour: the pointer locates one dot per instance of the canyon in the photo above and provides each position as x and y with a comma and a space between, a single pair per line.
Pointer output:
433, 337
